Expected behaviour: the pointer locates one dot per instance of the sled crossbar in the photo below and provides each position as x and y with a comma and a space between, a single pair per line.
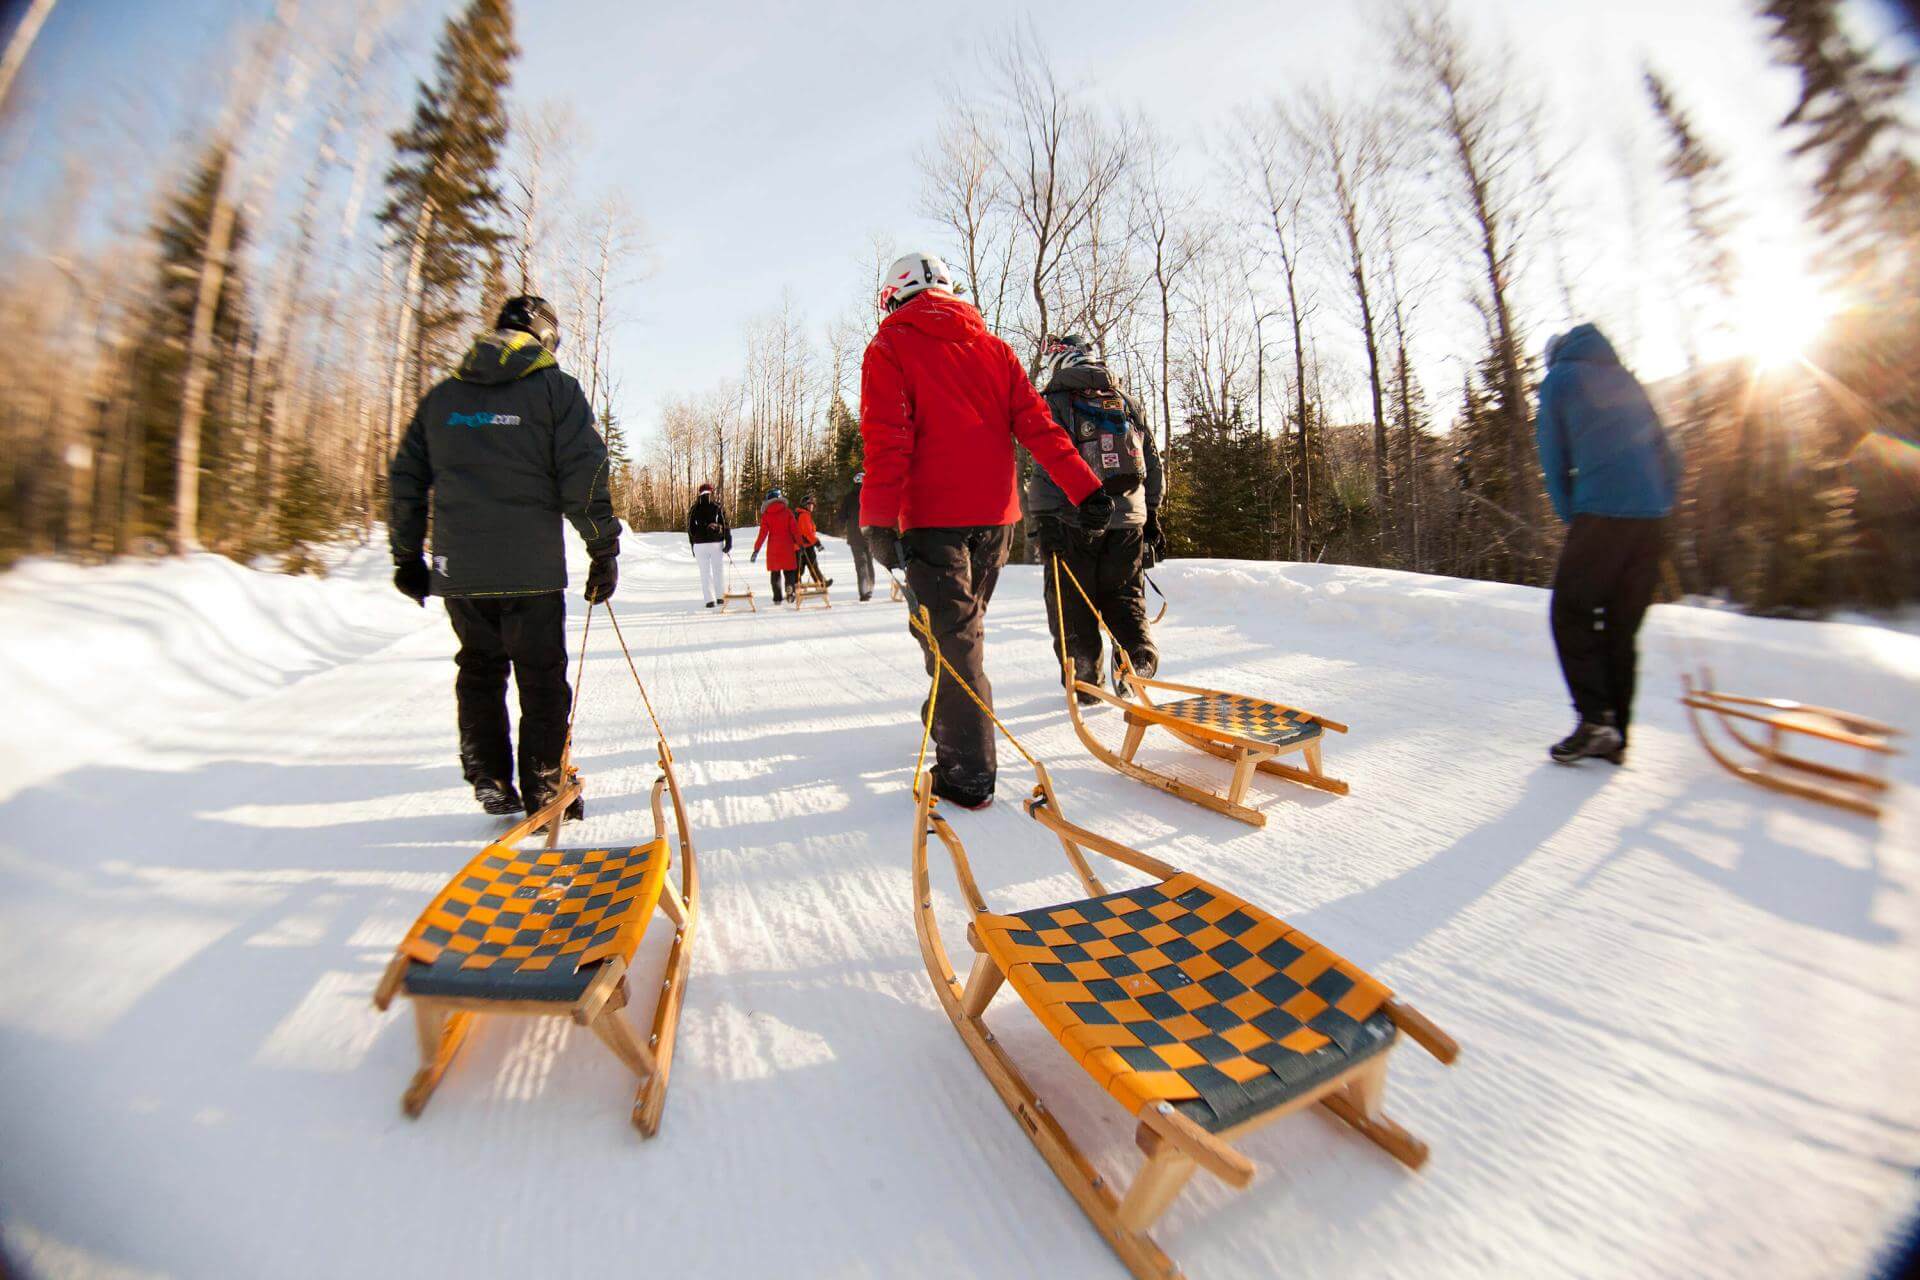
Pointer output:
1200, 1014
1767, 761
552, 934
1250, 733
804, 591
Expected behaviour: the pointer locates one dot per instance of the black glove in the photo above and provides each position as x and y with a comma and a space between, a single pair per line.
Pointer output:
726, 548
755, 557
1153, 539
883, 541
603, 575
412, 579
1096, 511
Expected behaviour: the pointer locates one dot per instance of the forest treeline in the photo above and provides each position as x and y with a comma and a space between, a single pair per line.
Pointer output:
232, 373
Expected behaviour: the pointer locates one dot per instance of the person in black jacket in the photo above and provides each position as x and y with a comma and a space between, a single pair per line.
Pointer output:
499, 453
708, 534
1111, 431
857, 541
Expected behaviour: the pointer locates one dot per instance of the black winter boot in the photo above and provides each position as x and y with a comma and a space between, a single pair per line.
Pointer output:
964, 797
1590, 740
497, 798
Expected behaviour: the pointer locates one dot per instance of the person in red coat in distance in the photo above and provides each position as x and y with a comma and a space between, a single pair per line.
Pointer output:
780, 535
942, 403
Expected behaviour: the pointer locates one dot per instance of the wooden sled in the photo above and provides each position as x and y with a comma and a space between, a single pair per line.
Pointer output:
895, 594
803, 591
1202, 1015
552, 934
1770, 764
1251, 733
729, 595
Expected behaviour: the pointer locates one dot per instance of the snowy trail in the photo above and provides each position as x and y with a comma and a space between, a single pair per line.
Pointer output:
1690, 1010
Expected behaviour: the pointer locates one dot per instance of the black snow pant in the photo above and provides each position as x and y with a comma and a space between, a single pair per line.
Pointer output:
1112, 572
862, 563
810, 562
527, 636
1601, 590
952, 572
790, 577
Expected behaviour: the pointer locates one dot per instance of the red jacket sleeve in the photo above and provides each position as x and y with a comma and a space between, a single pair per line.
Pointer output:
1034, 427
886, 435
760, 541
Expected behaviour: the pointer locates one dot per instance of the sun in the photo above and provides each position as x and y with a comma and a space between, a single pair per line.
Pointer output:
1779, 318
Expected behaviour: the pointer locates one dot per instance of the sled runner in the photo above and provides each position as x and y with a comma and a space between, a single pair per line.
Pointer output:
805, 590
1249, 732
1768, 761
895, 594
552, 934
1199, 1013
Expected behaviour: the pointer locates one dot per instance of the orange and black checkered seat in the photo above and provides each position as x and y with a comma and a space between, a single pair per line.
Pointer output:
1247, 717
1182, 992
533, 926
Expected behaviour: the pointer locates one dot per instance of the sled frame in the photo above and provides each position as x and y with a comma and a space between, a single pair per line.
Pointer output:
895, 595
1769, 763
443, 1022
1174, 1145
803, 590
728, 595
1247, 755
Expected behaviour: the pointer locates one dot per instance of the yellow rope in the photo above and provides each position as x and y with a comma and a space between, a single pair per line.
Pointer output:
926, 730
1119, 650
638, 682
579, 678
924, 624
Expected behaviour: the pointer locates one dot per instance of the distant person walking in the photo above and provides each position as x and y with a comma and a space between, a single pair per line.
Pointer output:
856, 540
499, 453
780, 535
942, 401
1611, 473
712, 540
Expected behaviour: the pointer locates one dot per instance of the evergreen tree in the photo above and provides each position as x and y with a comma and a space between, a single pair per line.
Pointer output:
1222, 505
442, 190
1849, 122
158, 363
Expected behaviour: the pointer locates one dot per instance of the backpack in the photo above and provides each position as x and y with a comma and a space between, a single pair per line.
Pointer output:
1106, 435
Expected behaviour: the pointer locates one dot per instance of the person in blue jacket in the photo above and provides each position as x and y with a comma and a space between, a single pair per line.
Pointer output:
1612, 473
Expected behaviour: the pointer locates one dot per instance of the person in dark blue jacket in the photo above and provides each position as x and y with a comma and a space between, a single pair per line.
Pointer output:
1611, 473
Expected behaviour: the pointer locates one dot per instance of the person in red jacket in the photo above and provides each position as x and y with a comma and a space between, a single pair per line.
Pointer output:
809, 539
780, 535
942, 403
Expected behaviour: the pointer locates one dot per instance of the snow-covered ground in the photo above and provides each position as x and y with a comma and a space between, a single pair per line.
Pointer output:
1690, 1010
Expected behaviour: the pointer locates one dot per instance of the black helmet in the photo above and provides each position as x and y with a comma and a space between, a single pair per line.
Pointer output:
530, 313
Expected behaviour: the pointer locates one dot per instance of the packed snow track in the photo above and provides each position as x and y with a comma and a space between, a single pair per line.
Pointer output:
1689, 1009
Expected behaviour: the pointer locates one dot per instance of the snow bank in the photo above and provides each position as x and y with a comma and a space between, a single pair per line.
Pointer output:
93, 658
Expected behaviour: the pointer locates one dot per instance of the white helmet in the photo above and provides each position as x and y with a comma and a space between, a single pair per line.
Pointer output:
910, 274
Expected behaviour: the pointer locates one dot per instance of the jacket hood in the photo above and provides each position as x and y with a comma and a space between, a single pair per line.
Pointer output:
938, 315
1080, 377
1582, 342
502, 356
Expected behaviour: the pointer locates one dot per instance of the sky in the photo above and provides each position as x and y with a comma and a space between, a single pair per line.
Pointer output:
767, 145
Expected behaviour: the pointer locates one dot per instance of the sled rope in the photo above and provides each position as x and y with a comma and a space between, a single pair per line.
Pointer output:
638, 682
573, 712
923, 623
1119, 650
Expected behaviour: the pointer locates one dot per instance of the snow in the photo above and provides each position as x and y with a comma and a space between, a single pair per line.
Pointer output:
1689, 1008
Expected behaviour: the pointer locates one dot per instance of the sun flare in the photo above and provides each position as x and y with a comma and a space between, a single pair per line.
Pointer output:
1779, 317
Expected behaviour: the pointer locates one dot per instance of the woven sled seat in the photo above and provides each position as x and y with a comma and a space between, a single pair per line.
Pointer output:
1182, 992
516, 925
1245, 717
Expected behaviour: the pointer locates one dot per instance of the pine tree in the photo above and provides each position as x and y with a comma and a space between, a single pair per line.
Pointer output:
1848, 118
159, 362
442, 191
